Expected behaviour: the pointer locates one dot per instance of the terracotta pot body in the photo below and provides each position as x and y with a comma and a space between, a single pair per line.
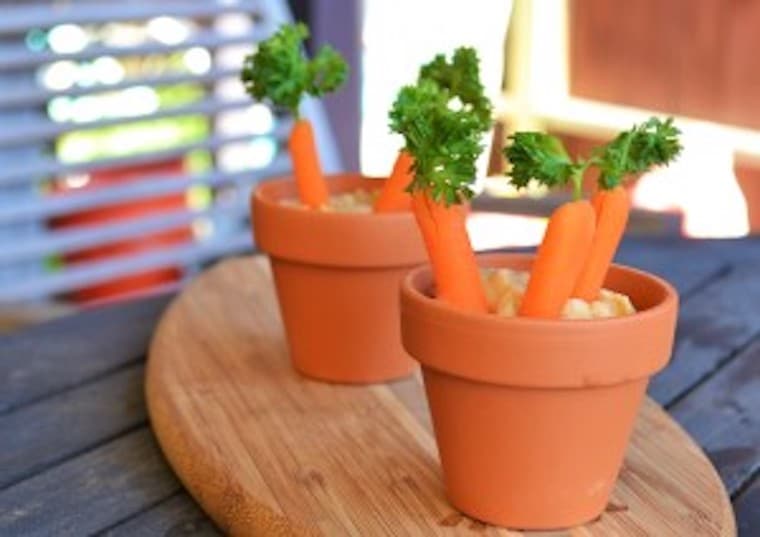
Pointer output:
532, 417
337, 277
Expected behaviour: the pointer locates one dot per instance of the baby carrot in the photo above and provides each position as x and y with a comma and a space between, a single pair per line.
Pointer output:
312, 189
559, 260
394, 195
651, 143
577, 249
611, 208
424, 217
444, 142
278, 71
459, 78
451, 255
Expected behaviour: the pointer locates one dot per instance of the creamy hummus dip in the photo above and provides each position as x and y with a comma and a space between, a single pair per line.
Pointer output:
505, 288
358, 201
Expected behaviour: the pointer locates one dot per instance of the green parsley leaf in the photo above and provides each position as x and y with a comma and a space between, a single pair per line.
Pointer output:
278, 70
652, 143
542, 157
461, 77
538, 156
444, 142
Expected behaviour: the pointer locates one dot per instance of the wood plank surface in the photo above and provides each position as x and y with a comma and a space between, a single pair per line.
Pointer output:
90, 492
64, 425
84, 341
176, 516
748, 510
267, 452
689, 264
60, 355
712, 326
722, 417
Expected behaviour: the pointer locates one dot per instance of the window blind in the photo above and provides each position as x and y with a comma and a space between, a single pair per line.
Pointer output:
123, 121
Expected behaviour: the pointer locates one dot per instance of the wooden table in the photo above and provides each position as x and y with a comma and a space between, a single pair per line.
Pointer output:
77, 455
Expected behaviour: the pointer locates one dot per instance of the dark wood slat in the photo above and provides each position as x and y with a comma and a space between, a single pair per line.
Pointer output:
54, 356
747, 508
723, 416
90, 492
728, 250
732, 250
85, 370
179, 515
713, 324
685, 263
61, 426
686, 270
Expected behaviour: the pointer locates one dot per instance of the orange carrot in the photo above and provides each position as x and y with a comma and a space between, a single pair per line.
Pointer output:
312, 189
394, 196
596, 203
444, 141
425, 223
279, 72
582, 237
612, 208
559, 260
453, 261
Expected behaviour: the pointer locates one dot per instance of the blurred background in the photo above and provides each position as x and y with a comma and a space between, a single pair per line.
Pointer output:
128, 147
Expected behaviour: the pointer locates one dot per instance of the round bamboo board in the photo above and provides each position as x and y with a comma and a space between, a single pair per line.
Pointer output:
267, 452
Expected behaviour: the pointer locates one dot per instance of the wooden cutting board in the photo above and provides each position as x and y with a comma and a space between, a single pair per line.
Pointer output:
267, 452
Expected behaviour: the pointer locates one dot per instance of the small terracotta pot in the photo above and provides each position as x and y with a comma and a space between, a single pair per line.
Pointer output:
337, 277
532, 417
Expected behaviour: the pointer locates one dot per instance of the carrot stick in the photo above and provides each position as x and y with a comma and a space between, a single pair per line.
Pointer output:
312, 189
612, 208
444, 141
453, 261
559, 260
596, 203
426, 225
278, 71
393, 196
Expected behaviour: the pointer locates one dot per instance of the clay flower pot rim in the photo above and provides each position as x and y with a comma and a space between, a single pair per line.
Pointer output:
541, 353
411, 283
263, 195
333, 239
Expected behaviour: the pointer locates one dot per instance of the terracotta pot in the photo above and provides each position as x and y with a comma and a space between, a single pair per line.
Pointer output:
337, 277
532, 417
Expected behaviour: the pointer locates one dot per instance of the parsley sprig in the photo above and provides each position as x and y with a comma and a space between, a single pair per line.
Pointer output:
634, 151
444, 142
442, 119
461, 77
542, 157
279, 71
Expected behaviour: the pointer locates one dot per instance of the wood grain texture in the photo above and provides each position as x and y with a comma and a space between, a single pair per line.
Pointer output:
688, 273
177, 516
57, 356
88, 493
723, 416
748, 509
722, 318
64, 425
266, 452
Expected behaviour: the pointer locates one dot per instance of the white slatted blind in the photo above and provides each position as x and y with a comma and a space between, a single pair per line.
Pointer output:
104, 104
